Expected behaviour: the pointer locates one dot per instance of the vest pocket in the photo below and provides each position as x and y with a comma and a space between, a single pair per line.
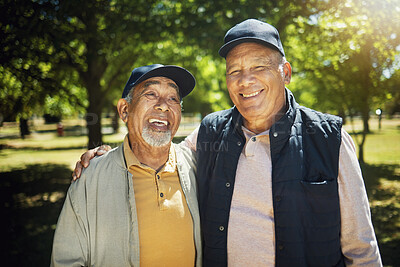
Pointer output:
320, 188
321, 201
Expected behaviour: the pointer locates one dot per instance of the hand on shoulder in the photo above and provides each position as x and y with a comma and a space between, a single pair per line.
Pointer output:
85, 159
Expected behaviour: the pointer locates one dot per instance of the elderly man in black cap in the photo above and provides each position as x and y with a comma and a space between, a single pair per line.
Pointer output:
285, 187
279, 184
137, 205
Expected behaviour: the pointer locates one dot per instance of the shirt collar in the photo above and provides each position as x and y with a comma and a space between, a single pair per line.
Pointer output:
170, 165
249, 134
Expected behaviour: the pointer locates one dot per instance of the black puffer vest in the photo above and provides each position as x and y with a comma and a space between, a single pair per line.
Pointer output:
305, 156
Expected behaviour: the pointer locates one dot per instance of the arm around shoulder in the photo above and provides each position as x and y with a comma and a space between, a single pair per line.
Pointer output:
191, 140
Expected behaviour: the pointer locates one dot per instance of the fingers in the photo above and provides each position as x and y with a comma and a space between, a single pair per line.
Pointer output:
103, 149
88, 155
85, 160
98, 151
76, 174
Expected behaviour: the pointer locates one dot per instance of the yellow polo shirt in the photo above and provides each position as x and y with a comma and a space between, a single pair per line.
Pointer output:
165, 222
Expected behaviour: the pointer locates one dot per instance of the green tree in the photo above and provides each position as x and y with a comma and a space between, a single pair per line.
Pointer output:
95, 41
92, 45
347, 50
28, 72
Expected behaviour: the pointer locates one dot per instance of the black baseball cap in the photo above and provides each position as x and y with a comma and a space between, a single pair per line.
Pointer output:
251, 30
182, 77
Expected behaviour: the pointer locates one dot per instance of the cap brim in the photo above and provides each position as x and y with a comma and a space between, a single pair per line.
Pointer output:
224, 50
183, 78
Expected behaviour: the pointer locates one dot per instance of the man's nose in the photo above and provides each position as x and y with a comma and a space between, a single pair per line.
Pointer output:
246, 78
162, 104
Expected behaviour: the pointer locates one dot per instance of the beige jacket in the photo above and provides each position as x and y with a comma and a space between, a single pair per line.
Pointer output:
98, 223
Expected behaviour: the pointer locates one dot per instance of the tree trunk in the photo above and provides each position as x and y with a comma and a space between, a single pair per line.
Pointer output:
93, 121
115, 120
367, 84
361, 153
342, 114
24, 127
360, 144
91, 77
361, 147
365, 119
96, 96
93, 116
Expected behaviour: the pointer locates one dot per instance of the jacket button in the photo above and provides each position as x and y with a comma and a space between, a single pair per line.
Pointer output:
275, 134
228, 184
221, 228
278, 198
281, 247
239, 143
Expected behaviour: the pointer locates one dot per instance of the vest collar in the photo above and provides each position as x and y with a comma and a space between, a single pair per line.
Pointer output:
282, 126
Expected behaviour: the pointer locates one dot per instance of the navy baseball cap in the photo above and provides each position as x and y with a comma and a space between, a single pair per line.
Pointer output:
251, 30
182, 77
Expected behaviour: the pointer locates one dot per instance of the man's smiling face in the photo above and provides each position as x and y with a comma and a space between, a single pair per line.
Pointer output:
256, 77
155, 112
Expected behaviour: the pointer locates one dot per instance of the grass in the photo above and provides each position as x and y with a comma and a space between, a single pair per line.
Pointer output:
35, 174
44, 146
381, 146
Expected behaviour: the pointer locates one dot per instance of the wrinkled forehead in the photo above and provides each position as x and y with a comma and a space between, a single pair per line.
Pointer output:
250, 48
159, 80
251, 52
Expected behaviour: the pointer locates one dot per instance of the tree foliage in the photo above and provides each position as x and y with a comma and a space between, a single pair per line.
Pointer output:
29, 71
350, 52
48, 46
69, 54
96, 42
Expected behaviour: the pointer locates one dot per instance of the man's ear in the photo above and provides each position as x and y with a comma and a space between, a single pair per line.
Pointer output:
122, 107
287, 70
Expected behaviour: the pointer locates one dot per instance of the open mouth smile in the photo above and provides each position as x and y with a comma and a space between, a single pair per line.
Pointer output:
251, 95
158, 122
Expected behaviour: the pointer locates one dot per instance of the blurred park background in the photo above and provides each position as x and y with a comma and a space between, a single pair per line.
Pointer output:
63, 65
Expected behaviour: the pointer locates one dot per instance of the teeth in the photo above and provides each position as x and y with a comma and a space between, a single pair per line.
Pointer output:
250, 95
158, 121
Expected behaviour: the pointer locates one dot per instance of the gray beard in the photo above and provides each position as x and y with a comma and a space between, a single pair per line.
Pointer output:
156, 138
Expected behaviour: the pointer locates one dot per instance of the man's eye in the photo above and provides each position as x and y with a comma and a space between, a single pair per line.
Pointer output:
150, 95
258, 68
235, 72
174, 99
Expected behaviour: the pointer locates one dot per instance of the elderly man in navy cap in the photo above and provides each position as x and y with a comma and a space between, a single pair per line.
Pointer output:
279, 184
137, 205
282, 185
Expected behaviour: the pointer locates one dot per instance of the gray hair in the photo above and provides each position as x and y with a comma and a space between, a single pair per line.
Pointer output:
128, 97
281, 61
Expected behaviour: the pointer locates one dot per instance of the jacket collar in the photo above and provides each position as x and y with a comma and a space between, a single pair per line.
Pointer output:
281, 129
131, 159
